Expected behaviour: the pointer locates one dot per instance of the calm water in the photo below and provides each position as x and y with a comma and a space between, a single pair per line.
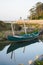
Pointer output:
20, 53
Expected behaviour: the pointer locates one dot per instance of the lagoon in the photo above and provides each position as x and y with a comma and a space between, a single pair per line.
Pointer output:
20, 53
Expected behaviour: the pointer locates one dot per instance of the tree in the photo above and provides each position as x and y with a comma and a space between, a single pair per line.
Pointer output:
36, 12
2, 25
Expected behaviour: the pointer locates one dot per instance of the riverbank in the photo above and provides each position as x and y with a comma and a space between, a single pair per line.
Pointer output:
9, 32
38, 60
4, 34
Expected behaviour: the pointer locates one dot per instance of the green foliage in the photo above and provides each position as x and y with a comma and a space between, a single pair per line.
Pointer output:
36, 12
7, 26
34, 31
4, 26
1, 34
37, 62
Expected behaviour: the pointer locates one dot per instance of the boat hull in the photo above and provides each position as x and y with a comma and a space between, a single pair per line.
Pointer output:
24, 38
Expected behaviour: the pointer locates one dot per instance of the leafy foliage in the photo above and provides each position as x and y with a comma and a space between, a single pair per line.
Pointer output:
36, 12
37, 62
4, 26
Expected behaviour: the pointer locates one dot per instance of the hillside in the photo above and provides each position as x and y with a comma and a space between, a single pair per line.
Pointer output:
4, 26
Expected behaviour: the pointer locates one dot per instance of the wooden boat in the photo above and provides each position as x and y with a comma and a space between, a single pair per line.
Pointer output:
25, 37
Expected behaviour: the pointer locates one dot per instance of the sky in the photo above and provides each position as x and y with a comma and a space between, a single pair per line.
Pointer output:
14, 9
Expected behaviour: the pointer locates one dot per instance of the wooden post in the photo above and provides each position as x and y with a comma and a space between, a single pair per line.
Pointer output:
23, 49
25, 28
12, 29
11, 54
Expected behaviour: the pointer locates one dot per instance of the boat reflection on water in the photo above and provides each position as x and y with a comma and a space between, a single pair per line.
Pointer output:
13, 46
19, 53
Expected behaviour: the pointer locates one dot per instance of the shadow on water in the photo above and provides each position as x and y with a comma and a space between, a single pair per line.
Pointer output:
3, 44
13, 46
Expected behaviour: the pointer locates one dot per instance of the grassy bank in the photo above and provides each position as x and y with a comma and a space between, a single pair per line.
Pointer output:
37, 62
6, 33
33, 31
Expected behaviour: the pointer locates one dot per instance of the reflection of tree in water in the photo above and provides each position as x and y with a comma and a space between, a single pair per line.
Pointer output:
3, 44
14, 53
24, 49
11, 54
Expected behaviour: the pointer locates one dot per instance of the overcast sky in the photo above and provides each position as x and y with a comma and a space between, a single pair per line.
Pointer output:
14, 9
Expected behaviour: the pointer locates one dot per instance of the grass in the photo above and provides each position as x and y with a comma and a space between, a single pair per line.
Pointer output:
1, 34
36, 30
37, 62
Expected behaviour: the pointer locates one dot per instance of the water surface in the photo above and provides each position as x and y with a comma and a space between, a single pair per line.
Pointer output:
20, 53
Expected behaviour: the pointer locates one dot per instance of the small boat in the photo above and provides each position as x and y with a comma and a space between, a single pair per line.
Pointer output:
25, 37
